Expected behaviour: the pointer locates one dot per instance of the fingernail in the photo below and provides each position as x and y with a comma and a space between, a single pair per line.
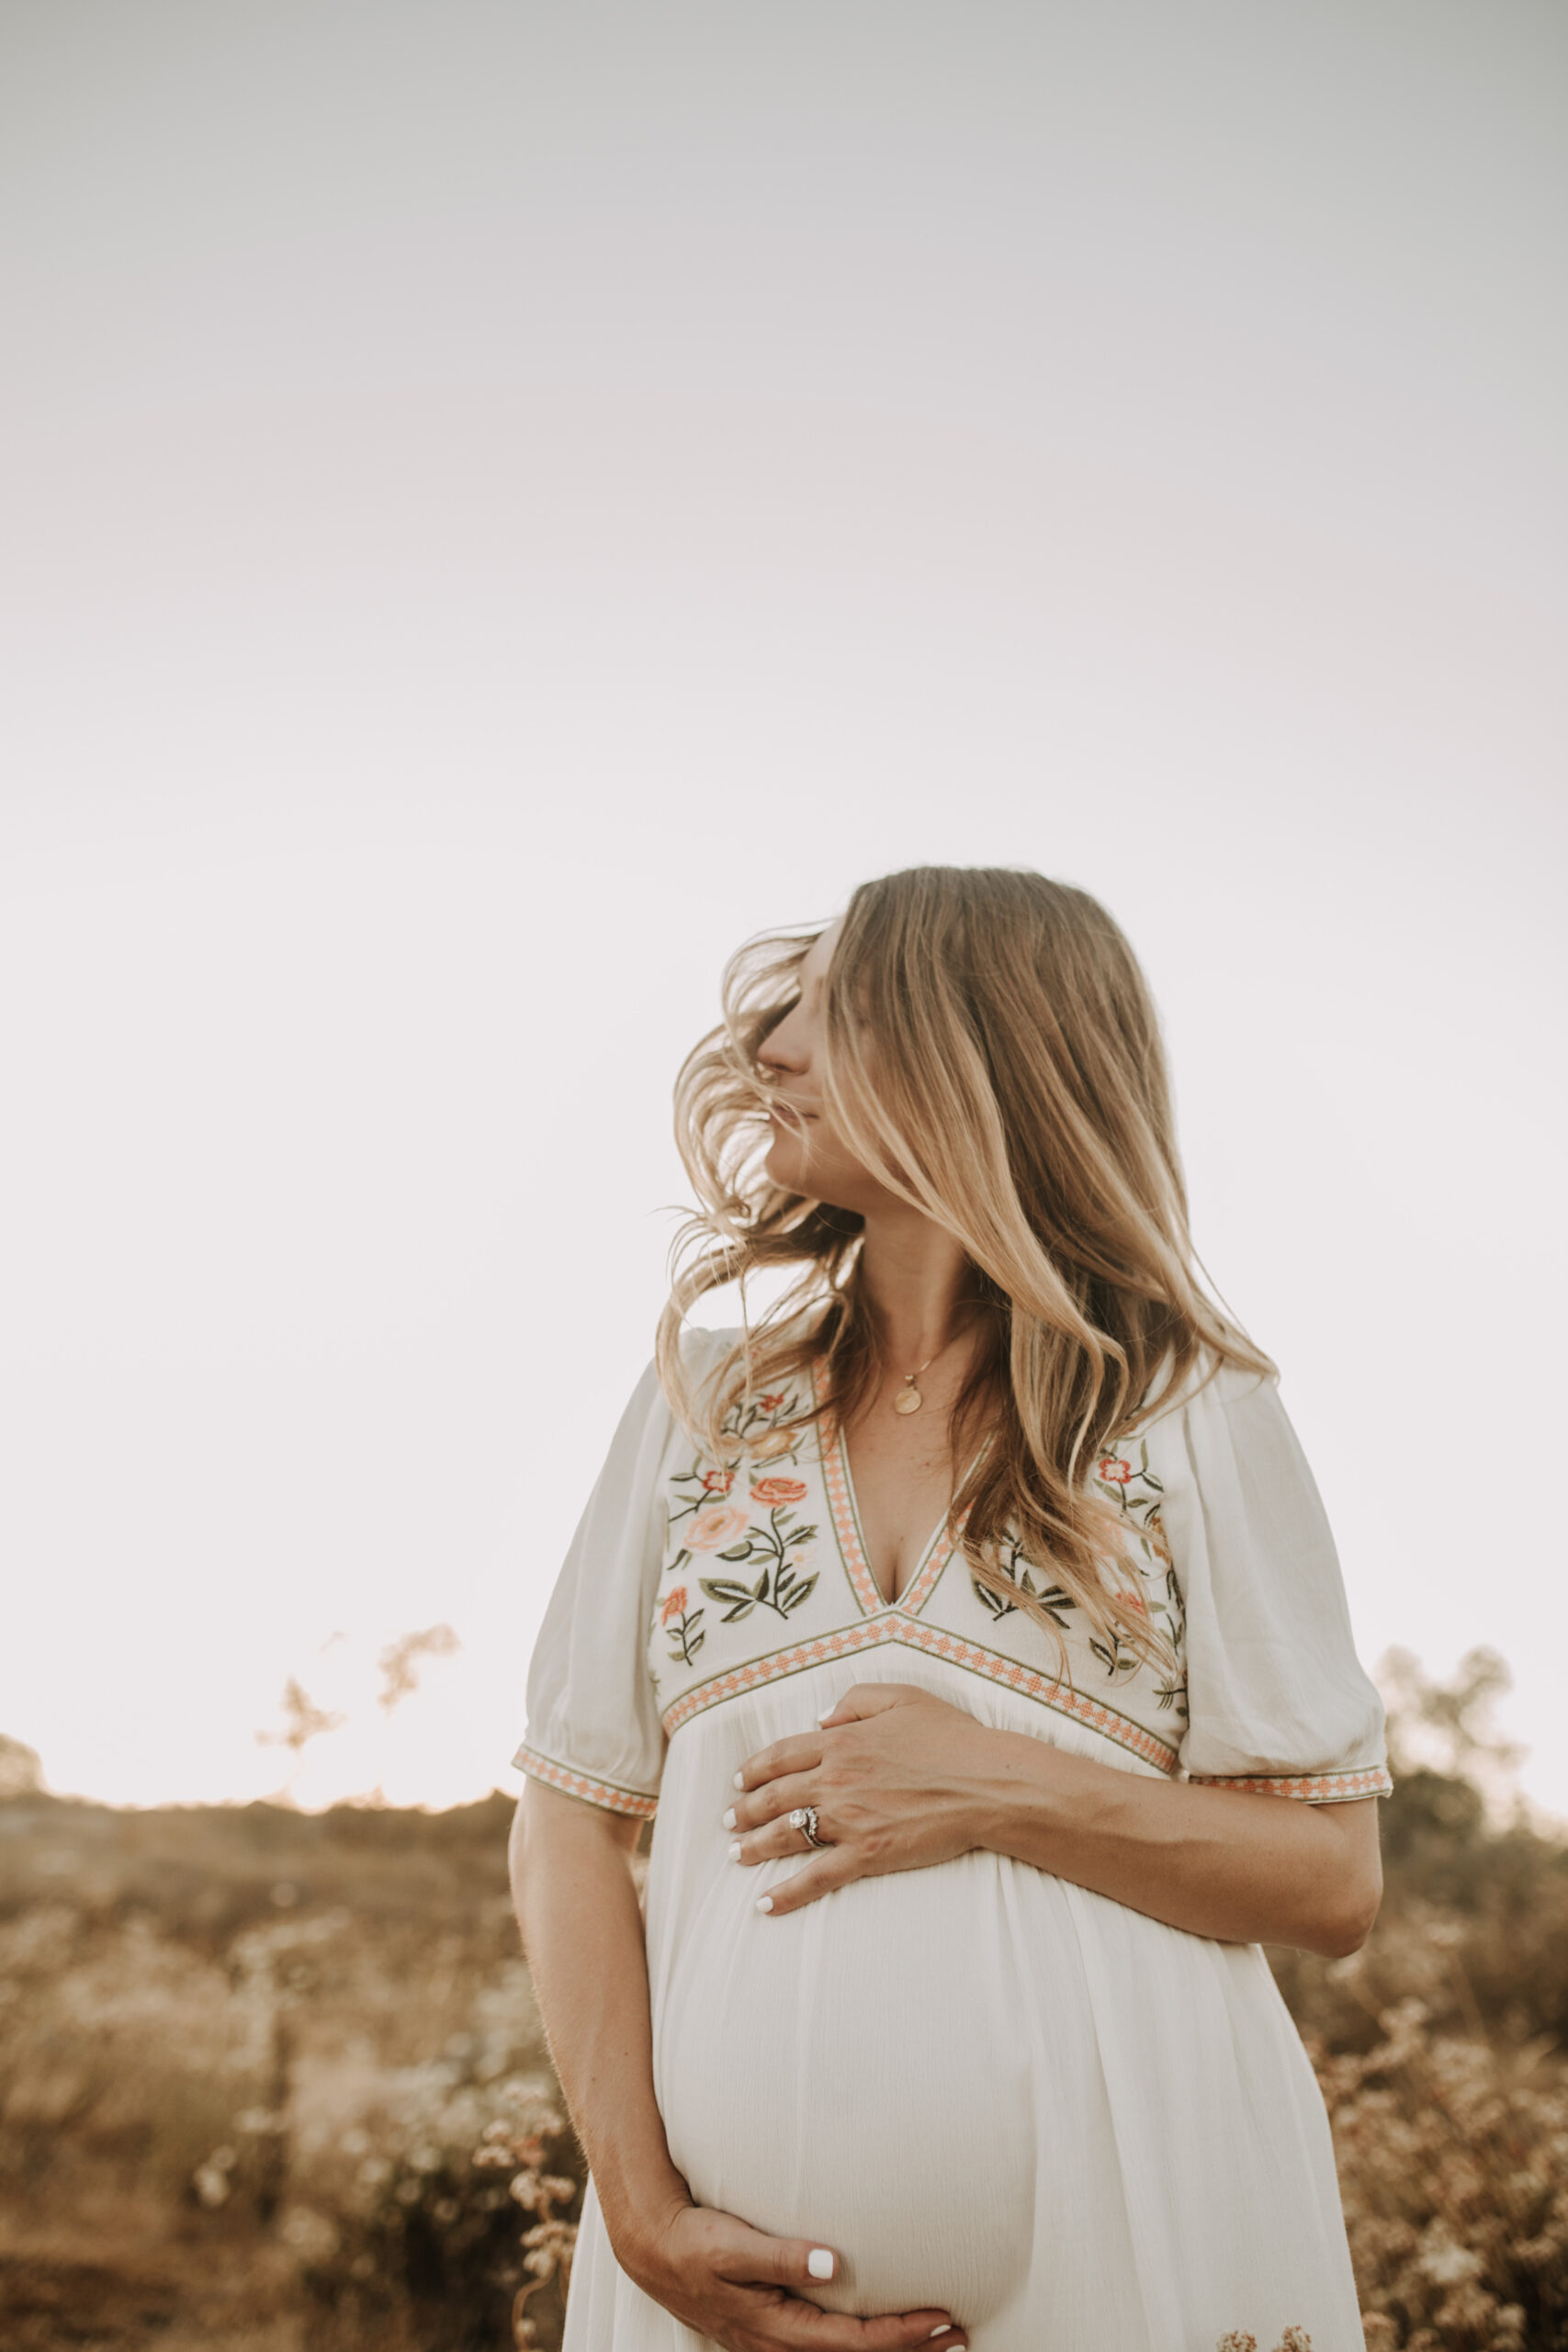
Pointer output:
826, 1712
764, 1903
735, 1850
741, 1780
819, 2262
729, 1817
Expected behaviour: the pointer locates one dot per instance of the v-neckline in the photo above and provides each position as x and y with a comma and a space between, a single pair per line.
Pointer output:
844, 1504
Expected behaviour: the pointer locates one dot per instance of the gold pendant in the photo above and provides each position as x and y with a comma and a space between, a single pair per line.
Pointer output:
910, 1401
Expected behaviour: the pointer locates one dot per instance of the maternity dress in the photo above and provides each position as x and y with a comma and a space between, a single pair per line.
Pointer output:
1072, 2127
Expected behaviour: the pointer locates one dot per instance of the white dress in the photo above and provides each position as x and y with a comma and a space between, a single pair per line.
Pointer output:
990, 2090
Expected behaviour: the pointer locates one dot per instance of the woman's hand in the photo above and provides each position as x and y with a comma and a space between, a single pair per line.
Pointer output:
894, 1775
738, 2287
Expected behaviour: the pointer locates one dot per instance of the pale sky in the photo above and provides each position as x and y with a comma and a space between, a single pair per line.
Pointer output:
503, 502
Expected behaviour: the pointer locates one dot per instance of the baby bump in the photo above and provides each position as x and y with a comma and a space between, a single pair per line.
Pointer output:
864, 2071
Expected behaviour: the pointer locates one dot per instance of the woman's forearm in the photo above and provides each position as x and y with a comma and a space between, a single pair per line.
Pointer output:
582, 1933
1240, 1867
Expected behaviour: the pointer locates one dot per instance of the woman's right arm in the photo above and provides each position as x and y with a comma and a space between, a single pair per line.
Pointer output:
571, 1883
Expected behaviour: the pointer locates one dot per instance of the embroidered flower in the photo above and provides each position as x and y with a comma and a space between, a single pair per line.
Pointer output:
770, 1404
768, 1444
719, 1524
673, 1604
771, 1492
717, 1482
1115, 1470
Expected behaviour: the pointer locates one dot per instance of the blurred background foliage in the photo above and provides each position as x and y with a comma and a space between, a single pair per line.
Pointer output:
277, 2081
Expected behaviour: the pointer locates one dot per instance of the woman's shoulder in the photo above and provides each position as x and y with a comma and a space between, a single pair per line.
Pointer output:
1209, 1385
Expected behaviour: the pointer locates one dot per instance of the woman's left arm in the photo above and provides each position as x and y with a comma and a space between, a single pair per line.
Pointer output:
901, 1780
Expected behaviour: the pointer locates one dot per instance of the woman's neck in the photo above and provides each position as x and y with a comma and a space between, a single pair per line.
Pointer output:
919, 1283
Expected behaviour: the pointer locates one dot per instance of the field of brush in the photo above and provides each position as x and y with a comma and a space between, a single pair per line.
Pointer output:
248, 2058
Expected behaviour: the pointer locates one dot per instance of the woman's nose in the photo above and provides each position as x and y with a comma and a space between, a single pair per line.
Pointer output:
781, 1049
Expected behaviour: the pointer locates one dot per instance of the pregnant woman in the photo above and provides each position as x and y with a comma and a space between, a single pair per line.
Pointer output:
973, 1627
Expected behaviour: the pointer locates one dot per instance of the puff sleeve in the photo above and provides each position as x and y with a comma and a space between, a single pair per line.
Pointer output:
592, 1720
1276, 1698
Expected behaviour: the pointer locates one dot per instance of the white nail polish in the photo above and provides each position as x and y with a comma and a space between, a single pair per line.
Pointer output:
764, 1903
741, 1780
729, 1817
819, 2262
735, 1850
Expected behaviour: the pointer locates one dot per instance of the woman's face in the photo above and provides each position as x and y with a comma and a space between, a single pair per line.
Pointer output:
812, 1158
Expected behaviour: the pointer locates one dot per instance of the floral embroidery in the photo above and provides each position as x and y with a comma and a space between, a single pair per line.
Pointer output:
719, 1524
685, 1639
764, 1429
762, 1432
780, 1546
744, 1524
768, 1491
1138, 1494
1052, 1598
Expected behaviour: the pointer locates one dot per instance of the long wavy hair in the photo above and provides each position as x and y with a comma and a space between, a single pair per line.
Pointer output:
993, 1057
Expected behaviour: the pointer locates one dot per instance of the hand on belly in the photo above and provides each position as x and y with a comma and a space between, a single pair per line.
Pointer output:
889, 1781
740, 2288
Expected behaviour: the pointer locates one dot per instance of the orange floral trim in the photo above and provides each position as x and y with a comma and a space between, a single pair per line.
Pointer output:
846, 1527
1316, 1788
893, 1626
856, 1566
583, 1784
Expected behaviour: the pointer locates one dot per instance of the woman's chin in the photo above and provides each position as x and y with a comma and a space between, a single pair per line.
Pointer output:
786, 1165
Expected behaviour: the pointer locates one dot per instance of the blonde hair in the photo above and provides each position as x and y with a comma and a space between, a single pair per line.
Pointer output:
1020, 1100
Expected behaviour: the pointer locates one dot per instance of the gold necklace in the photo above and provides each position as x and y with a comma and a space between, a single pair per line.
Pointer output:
910, 1399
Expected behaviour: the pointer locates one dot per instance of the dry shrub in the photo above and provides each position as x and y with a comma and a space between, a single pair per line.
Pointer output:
1453, 2167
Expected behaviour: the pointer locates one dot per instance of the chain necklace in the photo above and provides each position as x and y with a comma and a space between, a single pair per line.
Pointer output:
909, 1398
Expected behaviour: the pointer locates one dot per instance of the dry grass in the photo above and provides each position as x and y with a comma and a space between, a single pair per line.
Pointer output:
277, 2082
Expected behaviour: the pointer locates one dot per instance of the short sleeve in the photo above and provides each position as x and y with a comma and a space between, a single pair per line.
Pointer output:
592, 1721
1277, 1698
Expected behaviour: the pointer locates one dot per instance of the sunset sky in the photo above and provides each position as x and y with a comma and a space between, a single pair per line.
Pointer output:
504, 501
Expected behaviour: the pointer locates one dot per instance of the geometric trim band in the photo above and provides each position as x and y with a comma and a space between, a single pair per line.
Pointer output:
912, 1633
583, 1784
1314, 1788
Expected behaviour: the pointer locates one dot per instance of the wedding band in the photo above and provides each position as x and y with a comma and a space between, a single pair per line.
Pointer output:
803, 1819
